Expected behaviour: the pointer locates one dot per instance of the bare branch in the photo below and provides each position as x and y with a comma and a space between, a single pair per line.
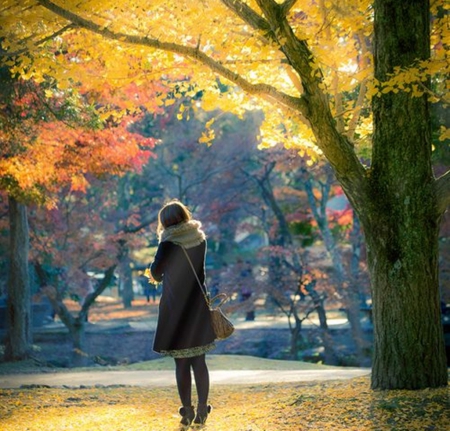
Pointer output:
142, 225
362, 89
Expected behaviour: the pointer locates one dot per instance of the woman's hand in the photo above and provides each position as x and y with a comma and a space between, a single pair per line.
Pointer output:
148, 274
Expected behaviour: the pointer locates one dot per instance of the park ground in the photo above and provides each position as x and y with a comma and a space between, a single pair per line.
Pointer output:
336, 404
332, 405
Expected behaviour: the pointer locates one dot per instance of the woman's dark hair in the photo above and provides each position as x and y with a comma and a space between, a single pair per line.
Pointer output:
172, 213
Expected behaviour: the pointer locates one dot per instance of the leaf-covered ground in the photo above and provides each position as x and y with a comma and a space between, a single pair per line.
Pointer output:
337, 405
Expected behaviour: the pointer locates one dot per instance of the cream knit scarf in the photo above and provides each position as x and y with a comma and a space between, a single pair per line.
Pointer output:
188, 234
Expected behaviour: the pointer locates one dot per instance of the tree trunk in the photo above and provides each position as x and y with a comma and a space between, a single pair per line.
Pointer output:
328, 344
408, 337
78, 334
76, 325
401, 222
125, 275
356, 241
351, 300
296, 336
19, 335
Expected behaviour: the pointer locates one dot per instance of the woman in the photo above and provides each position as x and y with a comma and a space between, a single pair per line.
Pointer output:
184, 329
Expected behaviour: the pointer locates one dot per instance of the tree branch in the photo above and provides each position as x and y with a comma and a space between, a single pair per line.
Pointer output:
142, 225
362, 89
98, 291
248, 15
39, 42
336, 147
287, 6
58, 305
312, 105
443, 192
193, 53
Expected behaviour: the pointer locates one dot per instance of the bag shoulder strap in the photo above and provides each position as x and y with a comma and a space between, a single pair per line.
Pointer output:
205, 293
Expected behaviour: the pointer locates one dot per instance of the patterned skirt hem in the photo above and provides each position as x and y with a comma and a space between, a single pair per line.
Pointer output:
190, 352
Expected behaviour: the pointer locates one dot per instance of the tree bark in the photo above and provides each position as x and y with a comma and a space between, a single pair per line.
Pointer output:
19, 322
401, 223
328, 344
296, 335
78, 334
125, 275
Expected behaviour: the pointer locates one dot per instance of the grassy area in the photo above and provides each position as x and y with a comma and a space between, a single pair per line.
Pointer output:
215, 362
230, 362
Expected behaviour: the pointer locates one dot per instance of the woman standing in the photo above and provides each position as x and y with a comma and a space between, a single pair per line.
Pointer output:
184, 329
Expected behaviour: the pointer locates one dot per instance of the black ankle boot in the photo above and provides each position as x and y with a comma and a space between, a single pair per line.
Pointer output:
187, 414
202, 413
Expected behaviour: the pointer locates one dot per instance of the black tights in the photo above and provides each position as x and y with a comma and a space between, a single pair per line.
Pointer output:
184, 379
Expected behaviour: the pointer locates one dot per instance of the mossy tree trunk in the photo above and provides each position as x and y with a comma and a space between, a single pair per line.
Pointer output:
402, 223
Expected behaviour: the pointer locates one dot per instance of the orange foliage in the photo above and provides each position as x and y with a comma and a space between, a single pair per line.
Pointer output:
49, 142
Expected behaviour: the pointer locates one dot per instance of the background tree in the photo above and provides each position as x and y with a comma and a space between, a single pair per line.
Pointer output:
318, 189
289, 280
47, 143
211, 177
281, 189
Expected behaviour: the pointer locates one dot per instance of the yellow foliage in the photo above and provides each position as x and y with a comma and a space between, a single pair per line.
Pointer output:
336, 32
335, 406
445, 133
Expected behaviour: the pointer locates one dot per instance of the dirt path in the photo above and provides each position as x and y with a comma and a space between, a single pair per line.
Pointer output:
167, 378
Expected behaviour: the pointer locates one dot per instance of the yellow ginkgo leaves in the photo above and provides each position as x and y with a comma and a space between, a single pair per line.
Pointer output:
333, 406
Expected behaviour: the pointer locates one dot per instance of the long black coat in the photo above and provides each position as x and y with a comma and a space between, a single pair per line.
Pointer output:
184, 319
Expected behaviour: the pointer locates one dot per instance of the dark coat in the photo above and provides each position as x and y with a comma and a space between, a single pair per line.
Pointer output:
184, 319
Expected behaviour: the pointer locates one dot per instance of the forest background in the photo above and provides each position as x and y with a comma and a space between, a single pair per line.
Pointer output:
100, 158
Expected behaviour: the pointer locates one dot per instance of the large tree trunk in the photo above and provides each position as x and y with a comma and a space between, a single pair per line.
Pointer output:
401, 225
19, 335
408, 337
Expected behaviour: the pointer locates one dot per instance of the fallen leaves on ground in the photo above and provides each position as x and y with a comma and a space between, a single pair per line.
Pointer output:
107, 309
337, 405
